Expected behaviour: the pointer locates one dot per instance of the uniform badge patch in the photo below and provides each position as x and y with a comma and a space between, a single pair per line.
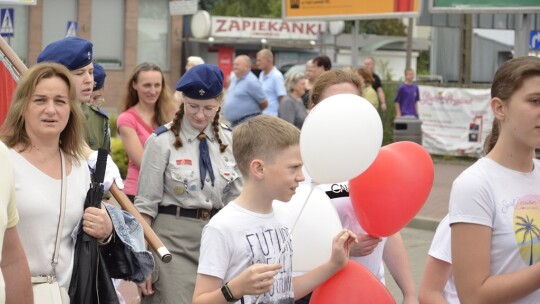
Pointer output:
183, 162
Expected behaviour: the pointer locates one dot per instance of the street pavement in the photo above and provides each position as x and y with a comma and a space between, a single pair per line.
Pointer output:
419, 232
417, 235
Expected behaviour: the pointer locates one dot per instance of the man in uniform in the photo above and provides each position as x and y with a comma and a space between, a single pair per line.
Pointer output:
76, 55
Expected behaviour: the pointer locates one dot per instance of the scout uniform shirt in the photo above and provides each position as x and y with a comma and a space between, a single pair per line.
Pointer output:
170, 176
97, 133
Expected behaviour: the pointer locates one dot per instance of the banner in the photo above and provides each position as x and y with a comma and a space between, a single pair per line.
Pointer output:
455, 121
482, 6
266, 28
8, 84
349, 9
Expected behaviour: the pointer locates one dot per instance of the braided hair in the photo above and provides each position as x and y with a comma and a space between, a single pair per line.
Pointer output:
177, 125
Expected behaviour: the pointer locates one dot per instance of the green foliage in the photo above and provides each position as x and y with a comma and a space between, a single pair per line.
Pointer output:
386, 70
119, 156
387, 27
422, 63
112, 125
246, 8
390, 90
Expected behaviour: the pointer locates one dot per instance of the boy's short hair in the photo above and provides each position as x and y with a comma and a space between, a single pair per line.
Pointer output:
262, 137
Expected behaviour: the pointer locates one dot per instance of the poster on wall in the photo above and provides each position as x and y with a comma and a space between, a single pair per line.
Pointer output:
349, 9
455, 121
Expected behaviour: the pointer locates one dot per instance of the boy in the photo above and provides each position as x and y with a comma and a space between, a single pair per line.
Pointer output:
407, 96
246, 250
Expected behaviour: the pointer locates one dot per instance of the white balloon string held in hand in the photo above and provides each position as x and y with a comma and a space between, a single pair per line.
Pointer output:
313, 186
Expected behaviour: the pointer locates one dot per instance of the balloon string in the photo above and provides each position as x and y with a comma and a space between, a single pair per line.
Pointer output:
313, 186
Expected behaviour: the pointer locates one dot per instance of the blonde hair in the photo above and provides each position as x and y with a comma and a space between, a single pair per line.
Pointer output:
13, 131
177, 125
330, 78
292, 79
165, 104
262, 137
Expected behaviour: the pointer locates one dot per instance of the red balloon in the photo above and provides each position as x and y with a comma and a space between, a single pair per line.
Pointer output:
354, 284
392, 190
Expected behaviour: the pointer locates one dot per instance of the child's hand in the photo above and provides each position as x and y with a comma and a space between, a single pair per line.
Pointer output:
365, 246
255, 280
341, 246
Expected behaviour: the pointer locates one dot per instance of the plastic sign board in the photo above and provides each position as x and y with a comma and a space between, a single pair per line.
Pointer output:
483, 6
183, 7
534, 40
72, 29
6, 22
349, 9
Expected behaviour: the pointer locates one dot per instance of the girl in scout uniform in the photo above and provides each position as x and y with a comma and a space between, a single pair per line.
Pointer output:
187, 175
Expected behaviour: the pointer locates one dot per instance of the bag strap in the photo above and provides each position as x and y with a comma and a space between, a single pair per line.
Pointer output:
62, 213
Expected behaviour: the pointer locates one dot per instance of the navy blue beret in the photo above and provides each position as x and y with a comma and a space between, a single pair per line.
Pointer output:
203, 81
99, 76
72, 52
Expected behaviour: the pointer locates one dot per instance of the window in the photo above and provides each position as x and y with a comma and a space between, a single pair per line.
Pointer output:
56, 15
108, 32
153, 32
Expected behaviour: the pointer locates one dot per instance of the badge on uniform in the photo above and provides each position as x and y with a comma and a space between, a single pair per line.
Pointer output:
179, 190
183, 162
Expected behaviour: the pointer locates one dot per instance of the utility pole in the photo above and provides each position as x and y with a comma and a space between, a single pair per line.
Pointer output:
409, 43
465, 51
522, 32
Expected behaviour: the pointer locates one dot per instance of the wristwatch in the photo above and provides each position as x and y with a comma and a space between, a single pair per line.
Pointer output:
227, 293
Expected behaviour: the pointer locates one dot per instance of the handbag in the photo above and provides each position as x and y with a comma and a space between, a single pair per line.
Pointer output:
45, 287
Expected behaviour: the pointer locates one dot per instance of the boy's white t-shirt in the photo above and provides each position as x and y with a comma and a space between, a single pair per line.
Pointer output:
507, 201
441, 250
237, 238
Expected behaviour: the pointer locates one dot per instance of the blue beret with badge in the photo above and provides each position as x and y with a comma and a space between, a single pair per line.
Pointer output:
72, 52
99, 77
203, 81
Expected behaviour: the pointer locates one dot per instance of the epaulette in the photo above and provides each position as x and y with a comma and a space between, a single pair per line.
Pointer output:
161, 129
224, 126
100, 111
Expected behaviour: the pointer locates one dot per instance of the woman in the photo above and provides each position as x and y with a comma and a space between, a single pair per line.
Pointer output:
367, 90
370, 251
44, 121
188, 173
147, 105
292, 108
494, 203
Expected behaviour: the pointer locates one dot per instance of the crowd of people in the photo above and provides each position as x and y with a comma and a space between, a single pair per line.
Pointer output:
205, 164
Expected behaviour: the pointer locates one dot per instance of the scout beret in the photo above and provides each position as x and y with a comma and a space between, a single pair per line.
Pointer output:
72, 52
203, 81
99, 76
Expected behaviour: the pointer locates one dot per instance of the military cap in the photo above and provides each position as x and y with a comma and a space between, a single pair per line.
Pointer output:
203, 81
72, 52
99, 76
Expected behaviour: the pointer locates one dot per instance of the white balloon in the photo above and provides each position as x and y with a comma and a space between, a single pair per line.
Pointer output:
315, 229
340, 138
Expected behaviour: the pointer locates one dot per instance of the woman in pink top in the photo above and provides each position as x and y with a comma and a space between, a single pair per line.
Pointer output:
147, 105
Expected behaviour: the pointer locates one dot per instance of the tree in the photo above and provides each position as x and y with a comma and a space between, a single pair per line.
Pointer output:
243, 8
386, 27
